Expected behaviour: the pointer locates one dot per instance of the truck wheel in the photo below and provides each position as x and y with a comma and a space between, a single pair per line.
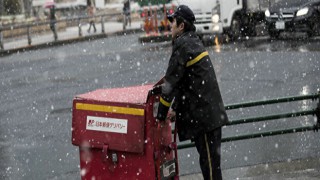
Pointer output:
314, 30
274, 34
235, 29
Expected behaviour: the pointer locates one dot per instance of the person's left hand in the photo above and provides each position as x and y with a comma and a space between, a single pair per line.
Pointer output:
171, 115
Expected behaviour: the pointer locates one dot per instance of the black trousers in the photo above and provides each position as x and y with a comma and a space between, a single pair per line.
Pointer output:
91, 23
209, 149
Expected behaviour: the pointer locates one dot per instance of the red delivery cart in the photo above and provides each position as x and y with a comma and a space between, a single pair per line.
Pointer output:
119, 138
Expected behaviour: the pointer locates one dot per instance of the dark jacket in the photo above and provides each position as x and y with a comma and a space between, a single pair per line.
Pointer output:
191, 81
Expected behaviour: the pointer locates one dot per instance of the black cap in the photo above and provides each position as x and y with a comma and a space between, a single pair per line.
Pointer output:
184, 12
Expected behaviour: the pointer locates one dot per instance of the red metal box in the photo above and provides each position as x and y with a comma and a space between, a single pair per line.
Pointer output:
118, 136
113, 117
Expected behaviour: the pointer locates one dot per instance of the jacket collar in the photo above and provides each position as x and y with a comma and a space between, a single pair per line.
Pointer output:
181, 39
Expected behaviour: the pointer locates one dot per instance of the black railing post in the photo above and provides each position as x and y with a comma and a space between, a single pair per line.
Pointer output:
55, 33
1, 39
79, 27
102, 24
124, 22
29, 35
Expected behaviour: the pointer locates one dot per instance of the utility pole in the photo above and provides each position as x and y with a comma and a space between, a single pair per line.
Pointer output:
27, 4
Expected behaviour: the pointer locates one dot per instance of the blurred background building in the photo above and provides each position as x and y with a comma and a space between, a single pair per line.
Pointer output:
20, 10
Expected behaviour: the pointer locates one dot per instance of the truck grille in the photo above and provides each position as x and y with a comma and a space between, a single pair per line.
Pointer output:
202, 22
202, 18
282, 16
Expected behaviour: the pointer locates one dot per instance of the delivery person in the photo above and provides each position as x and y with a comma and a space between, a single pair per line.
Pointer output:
191, 81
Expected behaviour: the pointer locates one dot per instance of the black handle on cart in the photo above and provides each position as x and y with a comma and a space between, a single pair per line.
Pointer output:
171, 167
176, 149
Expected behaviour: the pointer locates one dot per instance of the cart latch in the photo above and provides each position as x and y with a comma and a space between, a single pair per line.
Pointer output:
105, 149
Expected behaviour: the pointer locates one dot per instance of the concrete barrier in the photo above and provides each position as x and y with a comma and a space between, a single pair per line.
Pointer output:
34, 29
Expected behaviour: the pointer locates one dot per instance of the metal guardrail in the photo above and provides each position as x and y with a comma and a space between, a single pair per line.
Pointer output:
29, 25
315, 111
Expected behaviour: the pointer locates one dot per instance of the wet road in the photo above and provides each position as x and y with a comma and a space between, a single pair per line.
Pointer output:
37, 88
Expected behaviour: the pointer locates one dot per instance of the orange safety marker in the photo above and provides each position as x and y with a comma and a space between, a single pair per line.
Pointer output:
165, 18
151, 21
155, 21
146, 22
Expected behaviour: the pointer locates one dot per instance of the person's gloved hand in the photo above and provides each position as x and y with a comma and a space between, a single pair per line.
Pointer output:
156, 90
171, 115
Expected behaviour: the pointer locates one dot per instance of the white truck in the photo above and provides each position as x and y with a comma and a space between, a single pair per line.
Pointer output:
235, 18
238, 18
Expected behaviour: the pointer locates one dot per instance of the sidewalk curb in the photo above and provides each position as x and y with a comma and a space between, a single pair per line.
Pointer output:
68, 41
